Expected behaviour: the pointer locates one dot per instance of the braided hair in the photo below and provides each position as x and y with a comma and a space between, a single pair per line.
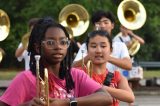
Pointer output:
36, 37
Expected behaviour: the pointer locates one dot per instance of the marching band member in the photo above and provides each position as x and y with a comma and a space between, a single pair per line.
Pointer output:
119, 57
67, 86
98, 52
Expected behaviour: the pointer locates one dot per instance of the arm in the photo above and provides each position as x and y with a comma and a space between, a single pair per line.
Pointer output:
3, 104
120, 56
123, 92
99, 98
19, 50
124, 63
140, 40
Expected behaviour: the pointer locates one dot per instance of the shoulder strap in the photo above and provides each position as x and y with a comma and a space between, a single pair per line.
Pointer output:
108, 78
121, 39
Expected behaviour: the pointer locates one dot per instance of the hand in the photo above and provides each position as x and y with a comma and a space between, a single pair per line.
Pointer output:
36, 102
130, 32
109, 58
59, 102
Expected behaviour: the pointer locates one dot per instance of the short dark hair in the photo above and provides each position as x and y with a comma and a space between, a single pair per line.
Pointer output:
100, 13
99, 33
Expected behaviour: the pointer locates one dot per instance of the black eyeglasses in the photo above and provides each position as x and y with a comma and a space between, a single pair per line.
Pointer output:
50, 44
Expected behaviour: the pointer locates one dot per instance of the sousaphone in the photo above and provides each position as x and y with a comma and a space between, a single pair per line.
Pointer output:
2, 53
75, 17
132, 15
4, 25
4, 29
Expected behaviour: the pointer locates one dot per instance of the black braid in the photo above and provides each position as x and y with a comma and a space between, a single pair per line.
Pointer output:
37, 35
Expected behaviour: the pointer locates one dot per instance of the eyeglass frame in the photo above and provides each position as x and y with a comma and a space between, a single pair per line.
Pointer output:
60, 42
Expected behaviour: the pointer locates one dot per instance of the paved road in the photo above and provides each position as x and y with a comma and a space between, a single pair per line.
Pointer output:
145, 100
141, 100
144, 97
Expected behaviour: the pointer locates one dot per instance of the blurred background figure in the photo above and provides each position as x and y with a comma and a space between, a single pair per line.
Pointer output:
119, 58
21, 52
133, 42
129, 38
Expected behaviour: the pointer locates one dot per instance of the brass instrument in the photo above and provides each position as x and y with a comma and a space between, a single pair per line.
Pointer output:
42, 85
25, 40
4, 25
135, 46
1, 54
4, 29
70, 32
75, 17
132, 15
88, 66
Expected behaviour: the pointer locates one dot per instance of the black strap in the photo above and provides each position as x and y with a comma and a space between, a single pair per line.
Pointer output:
121, 39
108, 78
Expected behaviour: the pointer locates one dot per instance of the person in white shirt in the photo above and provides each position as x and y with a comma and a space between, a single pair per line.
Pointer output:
126, 36
21, 52
119, 58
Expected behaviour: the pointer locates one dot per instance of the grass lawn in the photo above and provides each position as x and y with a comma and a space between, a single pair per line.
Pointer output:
151, 73
8, 75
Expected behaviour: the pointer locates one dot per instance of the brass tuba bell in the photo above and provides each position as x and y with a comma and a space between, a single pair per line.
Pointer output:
131, 14
75, 17
4, 25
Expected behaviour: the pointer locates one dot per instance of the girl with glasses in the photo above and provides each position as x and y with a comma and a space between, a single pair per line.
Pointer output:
67, 86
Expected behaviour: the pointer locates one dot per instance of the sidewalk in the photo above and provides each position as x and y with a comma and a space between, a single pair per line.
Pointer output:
4, 83
147, 91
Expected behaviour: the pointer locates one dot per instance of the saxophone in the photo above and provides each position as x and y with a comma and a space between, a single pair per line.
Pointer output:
42, 85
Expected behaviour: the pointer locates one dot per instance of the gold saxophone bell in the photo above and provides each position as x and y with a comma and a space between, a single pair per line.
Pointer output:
4, 25
42, 85
132, 15
75, 17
